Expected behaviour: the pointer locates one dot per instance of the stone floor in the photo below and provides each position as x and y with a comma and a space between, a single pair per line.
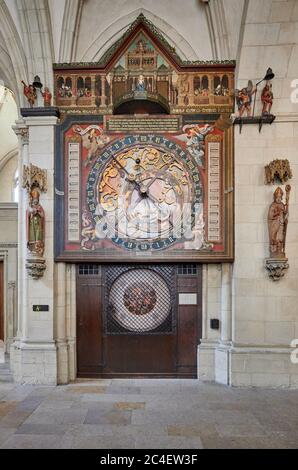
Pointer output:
160, 414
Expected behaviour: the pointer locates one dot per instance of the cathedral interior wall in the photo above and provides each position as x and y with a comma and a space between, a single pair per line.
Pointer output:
258, 317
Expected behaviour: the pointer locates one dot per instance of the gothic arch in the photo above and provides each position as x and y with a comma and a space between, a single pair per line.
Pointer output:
71, 19
226, 24
6, 158
13, 61
36, 28
108, 37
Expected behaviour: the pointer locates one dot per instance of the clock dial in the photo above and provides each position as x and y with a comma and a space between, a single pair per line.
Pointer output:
141, 193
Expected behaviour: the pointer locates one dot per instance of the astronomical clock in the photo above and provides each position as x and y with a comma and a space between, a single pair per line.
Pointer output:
144, 156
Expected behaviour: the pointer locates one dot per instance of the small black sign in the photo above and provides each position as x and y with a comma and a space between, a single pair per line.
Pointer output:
40, 308
214, 324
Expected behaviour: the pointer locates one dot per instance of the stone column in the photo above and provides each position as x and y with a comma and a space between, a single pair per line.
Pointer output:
36, 360
222, 354
103, 90
191, 90
226, 303
11, 319
22, 133
60, 323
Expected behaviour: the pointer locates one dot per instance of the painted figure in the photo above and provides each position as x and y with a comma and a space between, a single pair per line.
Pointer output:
140, 84
93, 138
277, 222
244, 99
47, 97
194, 137
65, 91
267, 98
30, 93
35, 224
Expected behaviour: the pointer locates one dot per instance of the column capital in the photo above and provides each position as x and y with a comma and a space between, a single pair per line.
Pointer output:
22, 131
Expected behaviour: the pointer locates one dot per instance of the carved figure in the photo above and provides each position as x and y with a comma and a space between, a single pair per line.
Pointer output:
35, 224
244, 99
267, 98
277, 222
47, 97
30, 93
278, 169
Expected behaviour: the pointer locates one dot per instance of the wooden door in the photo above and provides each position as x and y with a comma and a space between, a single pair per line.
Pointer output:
1, 302
89, 320
138, 321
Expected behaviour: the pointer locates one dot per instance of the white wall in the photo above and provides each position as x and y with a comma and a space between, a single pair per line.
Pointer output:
266, 312
7, 177
8, 144
188, 19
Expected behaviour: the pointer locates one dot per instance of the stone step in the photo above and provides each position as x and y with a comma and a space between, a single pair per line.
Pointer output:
6, 376
5, 373
4, 366
6, 379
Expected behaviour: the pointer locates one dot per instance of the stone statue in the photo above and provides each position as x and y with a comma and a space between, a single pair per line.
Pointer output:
277, 223
267, 99
47, 97
30, 93
35, 224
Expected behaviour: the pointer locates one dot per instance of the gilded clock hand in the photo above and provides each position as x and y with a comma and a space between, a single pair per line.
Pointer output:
130, 176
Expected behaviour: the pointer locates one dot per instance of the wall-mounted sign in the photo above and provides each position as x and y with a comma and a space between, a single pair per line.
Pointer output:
188, 299
40, 308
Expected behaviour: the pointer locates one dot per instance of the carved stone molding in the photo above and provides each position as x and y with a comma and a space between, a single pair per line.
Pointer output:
33, 176
276, 267
23, 134
36, 267
278, 170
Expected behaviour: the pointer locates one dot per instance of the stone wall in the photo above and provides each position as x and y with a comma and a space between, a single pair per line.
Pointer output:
8, 254
258, 318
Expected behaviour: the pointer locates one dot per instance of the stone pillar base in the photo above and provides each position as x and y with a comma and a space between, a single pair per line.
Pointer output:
2, 352
247, 366
206, 361
222, 364
34, 363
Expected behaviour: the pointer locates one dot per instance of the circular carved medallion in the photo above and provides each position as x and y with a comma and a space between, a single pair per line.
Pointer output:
140, 300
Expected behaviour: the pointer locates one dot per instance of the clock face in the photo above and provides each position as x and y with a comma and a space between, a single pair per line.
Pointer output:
141, 190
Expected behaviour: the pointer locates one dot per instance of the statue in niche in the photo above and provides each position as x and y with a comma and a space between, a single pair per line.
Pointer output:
277, 222
244, 99
35, 224
267, 99
141, 83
